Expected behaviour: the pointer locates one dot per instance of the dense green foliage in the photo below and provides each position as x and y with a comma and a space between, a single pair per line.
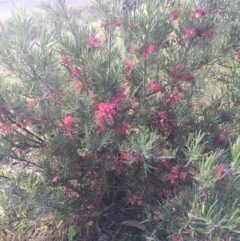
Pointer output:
122, 129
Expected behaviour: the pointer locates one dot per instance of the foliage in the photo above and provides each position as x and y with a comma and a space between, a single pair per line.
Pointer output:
126, 129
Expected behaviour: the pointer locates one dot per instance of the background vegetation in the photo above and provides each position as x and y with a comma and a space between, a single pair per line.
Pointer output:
121, 127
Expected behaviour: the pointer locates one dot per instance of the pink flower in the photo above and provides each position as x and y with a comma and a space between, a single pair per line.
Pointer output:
89, 155
220, 172
55, 179
147, 51
75, 71
192, 16
156, 217
134, 199
127, 156
118, 98
95, 42
66, 62
163, 115
188, 79
105, 112
174, 15
173, 98
128, 64
183, 176
131, 50
30, 105
208, 34
167, 192
78, 86
177, 72
117, 23
155, 87
176, 238
190, 32
199, 13
221, 137
6, 127
67, 123
132, 25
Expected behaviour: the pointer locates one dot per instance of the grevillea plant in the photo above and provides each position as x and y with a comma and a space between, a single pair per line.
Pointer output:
125, 124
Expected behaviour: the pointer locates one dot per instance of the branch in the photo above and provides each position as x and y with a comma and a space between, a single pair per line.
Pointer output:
27, 131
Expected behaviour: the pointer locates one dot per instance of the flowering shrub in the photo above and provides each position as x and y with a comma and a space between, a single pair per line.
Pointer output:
128, 122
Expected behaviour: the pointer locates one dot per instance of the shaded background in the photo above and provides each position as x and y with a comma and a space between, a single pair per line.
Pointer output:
6, 6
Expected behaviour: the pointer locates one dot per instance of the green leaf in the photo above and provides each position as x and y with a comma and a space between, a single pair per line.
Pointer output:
72, 231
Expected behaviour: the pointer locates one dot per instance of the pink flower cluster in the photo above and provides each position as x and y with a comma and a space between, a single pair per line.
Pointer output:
105, 113
199, 13
208, 34
147, 51
155, 87
6, 127
174, 15
78, 86
67, 124
75, 71
164, 124
66, 62
177, 73
190, 32
128, 64
134, 199
94, 42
